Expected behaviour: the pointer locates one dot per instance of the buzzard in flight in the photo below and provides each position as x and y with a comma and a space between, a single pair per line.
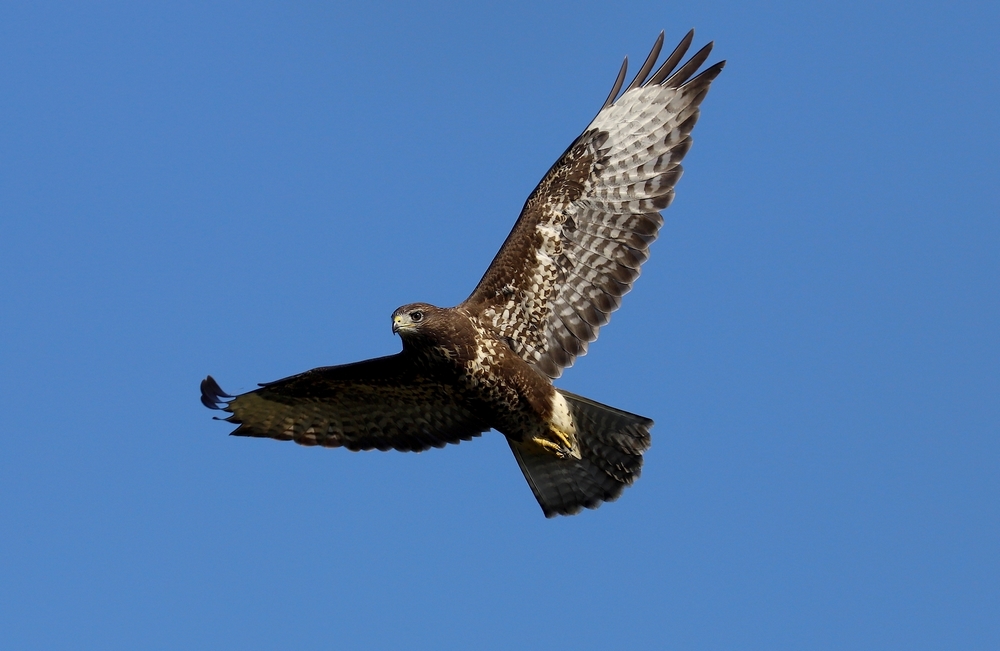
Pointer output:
489, 362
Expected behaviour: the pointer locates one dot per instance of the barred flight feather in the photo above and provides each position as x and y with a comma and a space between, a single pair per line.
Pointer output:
379, 404
584, 232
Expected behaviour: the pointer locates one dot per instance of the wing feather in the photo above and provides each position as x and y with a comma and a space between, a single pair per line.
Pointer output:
648, 64
584, 232
672, 60
382, 404
678, 78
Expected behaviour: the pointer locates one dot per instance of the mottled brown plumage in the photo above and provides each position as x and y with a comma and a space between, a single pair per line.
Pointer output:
576, 249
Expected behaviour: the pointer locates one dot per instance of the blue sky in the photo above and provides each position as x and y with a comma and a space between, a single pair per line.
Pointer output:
249, 190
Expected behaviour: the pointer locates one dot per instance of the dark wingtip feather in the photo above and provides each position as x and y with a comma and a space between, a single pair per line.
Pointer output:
689, 68
672, 60
617, 86
212, 395
675, 80
708, 74
647, 65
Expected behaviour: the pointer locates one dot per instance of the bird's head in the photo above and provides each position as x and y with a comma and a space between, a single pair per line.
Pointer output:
410, 320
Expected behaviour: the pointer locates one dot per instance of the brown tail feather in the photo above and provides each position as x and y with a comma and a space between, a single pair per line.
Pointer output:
611, 445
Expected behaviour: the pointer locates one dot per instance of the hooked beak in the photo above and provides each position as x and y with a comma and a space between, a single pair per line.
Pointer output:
397, 323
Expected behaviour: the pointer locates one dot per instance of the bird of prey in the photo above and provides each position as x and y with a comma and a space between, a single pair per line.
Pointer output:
488, 363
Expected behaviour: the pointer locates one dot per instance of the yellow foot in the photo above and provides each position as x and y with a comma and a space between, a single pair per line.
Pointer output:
563, 447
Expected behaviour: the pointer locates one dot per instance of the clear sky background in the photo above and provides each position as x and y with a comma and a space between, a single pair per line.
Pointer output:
249, 190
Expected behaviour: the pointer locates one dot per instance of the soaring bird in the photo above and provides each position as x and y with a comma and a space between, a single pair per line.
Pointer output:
488, 363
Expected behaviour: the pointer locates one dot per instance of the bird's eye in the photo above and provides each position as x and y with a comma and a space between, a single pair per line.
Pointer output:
416, 316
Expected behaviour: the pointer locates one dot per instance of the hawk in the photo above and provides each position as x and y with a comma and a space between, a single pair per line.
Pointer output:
488, 363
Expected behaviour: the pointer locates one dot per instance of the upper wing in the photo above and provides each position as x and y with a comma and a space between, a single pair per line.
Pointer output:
382, 403
585, 230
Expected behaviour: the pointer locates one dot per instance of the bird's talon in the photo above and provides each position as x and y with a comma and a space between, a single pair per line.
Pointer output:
549, 446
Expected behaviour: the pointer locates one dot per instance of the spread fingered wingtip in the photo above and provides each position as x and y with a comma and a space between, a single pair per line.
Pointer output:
675, 57
212, 395
665, 75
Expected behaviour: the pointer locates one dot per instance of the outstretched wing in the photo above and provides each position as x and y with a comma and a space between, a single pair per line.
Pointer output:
585, 230
383, 404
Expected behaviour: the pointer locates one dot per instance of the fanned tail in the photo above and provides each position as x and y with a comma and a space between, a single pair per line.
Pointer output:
611, 445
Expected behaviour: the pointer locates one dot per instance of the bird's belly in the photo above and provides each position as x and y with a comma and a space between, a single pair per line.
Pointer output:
518, 409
